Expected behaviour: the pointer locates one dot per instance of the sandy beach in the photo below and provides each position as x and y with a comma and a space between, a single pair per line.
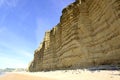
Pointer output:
21, 76
64, 75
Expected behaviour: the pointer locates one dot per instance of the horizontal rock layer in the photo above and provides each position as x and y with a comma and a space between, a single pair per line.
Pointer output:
88, 35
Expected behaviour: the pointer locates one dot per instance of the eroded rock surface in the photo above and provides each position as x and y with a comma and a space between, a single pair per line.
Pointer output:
87, 35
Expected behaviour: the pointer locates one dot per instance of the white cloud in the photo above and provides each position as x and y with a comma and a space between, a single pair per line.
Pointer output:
26, 53
17, 50
14, 50
14, 42
14, 57
8, 3
8, 62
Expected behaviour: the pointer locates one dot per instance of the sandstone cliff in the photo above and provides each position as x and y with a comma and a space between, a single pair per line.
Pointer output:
87, 35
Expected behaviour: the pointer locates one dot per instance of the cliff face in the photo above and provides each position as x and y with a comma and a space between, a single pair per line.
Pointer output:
88, 35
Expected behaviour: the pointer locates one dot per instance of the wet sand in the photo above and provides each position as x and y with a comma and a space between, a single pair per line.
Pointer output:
20, 76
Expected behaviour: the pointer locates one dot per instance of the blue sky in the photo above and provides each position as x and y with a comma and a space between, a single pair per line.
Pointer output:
22, 27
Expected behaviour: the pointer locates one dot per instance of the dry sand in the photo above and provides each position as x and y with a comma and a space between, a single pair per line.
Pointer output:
64, 75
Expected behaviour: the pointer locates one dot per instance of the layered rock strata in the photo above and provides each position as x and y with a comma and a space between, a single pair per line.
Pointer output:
88, 35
